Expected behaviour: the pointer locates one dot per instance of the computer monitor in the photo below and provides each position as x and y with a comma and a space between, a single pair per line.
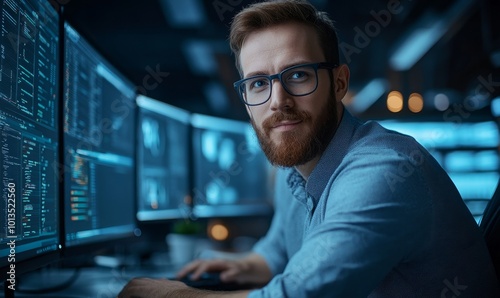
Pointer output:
230, 171
162, 161
467, 151
29, 136
99, 148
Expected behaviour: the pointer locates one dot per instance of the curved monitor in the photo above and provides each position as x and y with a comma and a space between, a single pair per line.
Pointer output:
99, 147
230, 171
29, 237
162, 161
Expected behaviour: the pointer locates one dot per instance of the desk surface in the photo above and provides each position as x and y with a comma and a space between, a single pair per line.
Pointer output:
100, 282
91, 282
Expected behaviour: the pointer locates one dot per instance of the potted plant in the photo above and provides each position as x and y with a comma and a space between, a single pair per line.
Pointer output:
183, 240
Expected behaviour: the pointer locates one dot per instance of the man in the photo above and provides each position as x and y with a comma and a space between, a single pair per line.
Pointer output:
360, 211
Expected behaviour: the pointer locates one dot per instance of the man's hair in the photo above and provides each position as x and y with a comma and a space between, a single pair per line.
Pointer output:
271, 13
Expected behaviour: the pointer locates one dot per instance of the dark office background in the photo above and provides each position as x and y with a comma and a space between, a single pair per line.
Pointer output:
427, 68
177, 52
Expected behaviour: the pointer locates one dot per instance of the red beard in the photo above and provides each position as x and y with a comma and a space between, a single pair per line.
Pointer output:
297, 149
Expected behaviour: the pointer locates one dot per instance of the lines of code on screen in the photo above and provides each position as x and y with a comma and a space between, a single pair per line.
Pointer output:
28, 123
98, 125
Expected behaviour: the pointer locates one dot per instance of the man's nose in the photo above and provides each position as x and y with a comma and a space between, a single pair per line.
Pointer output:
280, 98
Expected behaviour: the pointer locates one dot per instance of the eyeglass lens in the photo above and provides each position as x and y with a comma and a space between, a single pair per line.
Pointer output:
297, 81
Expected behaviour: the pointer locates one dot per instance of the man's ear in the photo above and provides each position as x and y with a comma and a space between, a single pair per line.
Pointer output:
341, 81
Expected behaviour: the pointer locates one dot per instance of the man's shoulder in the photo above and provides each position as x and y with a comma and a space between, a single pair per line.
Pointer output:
372, 140
371, 133
379, 157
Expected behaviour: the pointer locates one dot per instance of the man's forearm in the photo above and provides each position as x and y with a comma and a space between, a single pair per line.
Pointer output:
235, 294
194, 293
163, 288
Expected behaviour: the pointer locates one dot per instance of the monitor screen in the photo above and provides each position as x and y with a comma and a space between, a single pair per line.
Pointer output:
162, 161
231, 173
29, 133
99, 146
467, 151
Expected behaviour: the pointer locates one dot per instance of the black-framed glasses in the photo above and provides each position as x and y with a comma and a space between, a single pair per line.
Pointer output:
298, 80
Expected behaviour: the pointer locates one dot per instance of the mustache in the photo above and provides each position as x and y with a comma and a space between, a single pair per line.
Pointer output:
291, 115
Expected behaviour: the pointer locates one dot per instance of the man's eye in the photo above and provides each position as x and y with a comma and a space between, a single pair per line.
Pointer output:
258, 84
298, 75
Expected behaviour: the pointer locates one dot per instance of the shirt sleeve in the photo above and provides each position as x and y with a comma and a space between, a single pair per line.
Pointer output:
371, 223
271, 246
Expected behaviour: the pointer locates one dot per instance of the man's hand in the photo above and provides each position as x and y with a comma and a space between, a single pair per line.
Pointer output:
230, 270
249, 270
164, 288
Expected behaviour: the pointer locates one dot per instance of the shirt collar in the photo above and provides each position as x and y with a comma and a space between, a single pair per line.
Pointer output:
329, 161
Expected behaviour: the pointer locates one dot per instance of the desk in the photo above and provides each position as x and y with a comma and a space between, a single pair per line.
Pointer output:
94, 282
99, 281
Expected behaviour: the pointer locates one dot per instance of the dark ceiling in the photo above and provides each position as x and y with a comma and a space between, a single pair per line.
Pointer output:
185, 43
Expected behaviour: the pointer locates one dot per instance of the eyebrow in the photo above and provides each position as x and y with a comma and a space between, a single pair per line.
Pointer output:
261, 73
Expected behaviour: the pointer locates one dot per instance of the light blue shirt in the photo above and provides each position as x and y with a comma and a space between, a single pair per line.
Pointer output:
378, 217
